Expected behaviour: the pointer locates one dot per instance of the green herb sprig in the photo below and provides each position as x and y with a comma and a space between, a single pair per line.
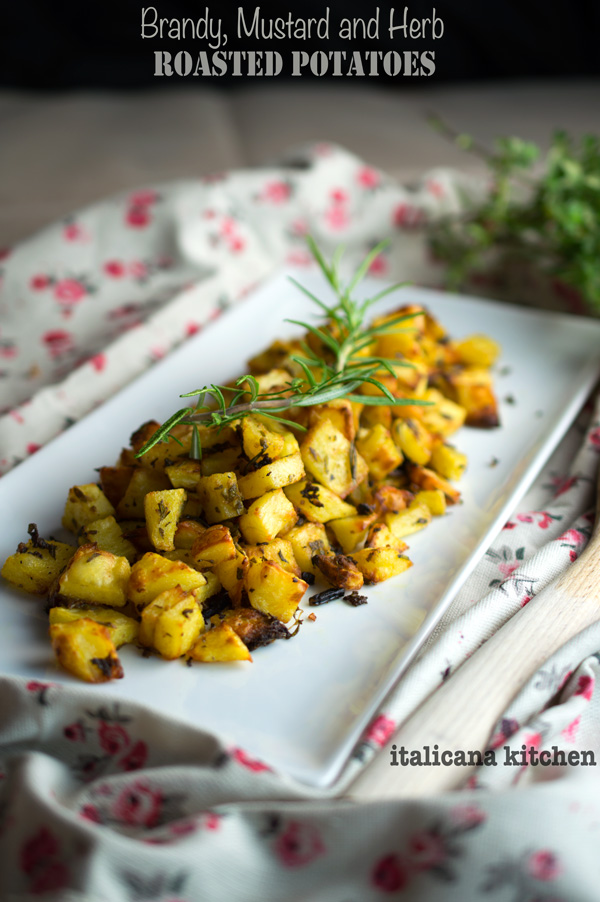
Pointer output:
342, 368
548, 214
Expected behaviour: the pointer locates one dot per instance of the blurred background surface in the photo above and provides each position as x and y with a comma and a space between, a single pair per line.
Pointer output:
82, 116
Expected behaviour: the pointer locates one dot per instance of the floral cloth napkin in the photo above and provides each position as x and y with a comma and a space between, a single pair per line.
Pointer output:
100, 801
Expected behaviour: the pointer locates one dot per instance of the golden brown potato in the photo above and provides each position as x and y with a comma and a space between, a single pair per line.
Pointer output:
86, 650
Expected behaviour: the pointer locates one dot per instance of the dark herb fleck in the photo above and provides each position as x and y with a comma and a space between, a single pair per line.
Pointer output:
105, 665
355, 600
326, 596
308, 577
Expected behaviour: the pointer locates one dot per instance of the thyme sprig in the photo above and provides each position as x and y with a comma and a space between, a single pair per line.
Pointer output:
339, 371
540, 210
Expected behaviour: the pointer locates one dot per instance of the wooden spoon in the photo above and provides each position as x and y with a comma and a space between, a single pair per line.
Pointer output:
462, 713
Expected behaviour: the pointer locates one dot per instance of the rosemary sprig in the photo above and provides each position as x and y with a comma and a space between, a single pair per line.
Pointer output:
338, 372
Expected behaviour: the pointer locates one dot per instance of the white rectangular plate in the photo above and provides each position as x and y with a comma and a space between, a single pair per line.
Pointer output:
302, 704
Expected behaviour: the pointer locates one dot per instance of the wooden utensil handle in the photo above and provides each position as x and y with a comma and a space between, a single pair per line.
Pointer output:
461, 714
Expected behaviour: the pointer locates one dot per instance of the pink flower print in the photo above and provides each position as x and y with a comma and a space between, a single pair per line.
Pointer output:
595, 437
435, 188
143, 198
508, 727
228, 226
237, 244
192, 328
52, 878
299, 258
337, 218
38, 283
565, 485
246, 761
509, 525
465, 817
569, 733
74, 732
139, 805
339, 196
572, 535
91, 813
509, 567
300, 227
138, 217
98, 361
32, 447
38, 850
212, 821
112, 737
114, 268
69, 291
585, 686
8, 349
379, 266
390, 874
380, 730
298, 845
277, 192
136, 757
183, 827
368, 177
58, 342
544, 865
74, 232
406, 216
426, 850
138, 269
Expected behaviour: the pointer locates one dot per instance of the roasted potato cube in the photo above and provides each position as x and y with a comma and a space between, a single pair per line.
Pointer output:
163, 453
477, 350
131, 505
114, 482
135, 531
210, 588
95, 576
379, 564
339, 570
171, 623
307, 541
163, 510
406, 522
108, 536
231, 574
184, 474
381, 536
220, 644
332, 459
35, 565
448, 462
220, 497
267, 517
379, 414
255, 628
273, 590
428, 480
122, 629
379, 451
224, 461
85, 504
86, 650
259, 442
350, 531
445, 417
434, 499
318, 503
413, 439
154, 574
388, 498
471, 388
280, 551
276, 475
339, 413
214, 546
187, 532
